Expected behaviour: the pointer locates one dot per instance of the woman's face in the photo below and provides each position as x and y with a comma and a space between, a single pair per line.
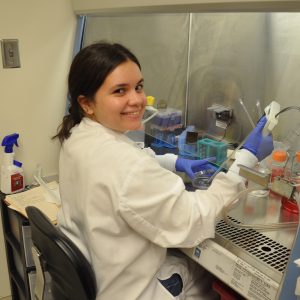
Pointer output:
119, 103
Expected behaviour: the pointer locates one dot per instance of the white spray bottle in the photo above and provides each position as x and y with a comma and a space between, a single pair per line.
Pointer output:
12, 178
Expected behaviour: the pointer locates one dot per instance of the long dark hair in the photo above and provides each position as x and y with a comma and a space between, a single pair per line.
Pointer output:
88, 71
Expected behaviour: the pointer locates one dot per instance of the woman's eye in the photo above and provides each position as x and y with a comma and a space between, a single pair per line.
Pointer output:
139, 87
119, 91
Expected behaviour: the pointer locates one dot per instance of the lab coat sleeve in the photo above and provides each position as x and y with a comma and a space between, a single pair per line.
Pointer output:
166, 161
154, 202
243, 157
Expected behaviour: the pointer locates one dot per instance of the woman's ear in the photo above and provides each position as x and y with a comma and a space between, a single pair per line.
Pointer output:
85, 104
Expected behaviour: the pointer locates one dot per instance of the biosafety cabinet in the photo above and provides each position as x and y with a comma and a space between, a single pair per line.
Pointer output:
220, 53
216, 65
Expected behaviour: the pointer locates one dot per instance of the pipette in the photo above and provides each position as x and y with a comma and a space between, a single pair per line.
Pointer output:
271, 112
258, 107
247, 113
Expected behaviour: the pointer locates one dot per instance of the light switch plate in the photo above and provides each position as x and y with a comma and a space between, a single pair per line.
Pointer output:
10, 53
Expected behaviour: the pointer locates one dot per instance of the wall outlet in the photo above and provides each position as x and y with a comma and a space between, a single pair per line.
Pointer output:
10, 53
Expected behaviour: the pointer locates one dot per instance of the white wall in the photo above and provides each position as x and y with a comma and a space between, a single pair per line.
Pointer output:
33, 97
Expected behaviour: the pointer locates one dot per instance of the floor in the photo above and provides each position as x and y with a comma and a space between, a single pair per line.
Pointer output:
6, 298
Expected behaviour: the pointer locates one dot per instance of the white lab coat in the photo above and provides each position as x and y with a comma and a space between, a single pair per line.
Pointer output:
123, 210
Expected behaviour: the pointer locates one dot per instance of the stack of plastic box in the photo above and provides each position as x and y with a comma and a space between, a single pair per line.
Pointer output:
167, 119
163, 127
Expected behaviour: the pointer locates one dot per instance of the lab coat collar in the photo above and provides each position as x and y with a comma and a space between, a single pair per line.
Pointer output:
87, 122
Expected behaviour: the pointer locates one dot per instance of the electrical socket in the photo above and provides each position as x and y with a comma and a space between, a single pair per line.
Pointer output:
10, 53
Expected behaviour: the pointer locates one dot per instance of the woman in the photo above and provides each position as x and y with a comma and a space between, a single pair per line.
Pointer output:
121, 205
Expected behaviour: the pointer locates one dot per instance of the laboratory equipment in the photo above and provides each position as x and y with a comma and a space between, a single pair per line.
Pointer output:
291, 139
164, 128
290, 204
184, 147
201, 180
254, 241
270, 120
278, 163
138, 136
150, 111
258, 108
247, 112
209, 147
222, 114
12, 178
295, 170
191, 143
167, 118
257, 241
271, 111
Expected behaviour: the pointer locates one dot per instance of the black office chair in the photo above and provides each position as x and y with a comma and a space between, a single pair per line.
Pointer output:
72, 277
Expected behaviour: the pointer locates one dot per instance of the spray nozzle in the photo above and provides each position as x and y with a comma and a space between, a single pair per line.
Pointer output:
9, 141
17, 164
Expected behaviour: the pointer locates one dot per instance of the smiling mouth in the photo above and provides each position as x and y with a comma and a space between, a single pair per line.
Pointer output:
135, 113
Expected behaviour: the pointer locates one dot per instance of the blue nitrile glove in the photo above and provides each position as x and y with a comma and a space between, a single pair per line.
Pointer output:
192, 166
258, 144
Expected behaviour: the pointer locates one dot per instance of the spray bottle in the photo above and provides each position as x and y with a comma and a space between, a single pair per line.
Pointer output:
12, 178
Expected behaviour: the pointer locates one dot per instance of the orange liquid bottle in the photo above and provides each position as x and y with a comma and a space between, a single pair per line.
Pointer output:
278, 163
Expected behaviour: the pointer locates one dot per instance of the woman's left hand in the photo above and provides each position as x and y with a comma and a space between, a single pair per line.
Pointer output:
192, 166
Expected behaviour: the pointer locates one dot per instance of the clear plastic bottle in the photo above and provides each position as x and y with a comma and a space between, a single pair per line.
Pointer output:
278, 163
12, 176
292, 139
290, 206
295, 170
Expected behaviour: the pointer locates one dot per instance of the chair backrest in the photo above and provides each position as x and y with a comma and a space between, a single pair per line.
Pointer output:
71, 274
